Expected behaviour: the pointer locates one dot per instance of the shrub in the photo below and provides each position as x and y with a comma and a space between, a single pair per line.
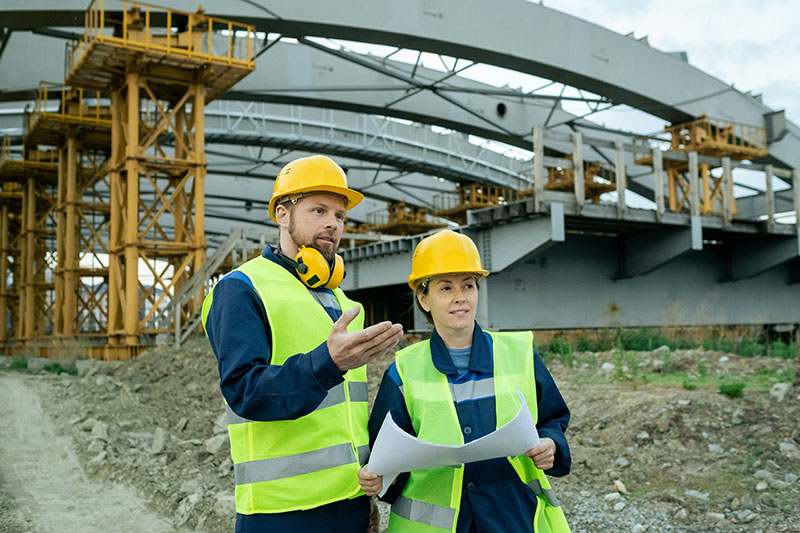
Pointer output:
702, 368
56, 368
563, 348
750, 347
732, 389
783, 350
688, 385
583, 344
19, 363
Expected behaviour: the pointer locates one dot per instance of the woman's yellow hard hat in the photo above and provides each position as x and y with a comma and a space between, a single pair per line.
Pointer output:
445, 252
316, 173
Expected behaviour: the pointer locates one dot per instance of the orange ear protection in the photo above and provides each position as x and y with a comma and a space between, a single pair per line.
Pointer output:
314, 270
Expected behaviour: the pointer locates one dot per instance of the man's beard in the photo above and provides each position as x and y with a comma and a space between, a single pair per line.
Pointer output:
298, 239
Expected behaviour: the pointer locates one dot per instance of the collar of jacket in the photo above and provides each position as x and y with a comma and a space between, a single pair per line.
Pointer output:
480, 357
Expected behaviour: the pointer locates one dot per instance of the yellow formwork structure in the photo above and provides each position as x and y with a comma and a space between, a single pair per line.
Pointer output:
161, 67
454, 206
80, 127
31, 179
401, 219
714, 138
597, 180
10, 237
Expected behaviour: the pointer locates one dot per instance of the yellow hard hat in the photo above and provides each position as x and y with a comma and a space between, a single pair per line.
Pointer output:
316, 173
445, 252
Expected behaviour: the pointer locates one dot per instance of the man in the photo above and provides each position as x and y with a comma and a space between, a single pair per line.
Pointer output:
291, 349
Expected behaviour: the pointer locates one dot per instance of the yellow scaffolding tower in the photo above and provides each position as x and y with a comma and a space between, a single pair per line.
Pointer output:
10, 238
80, 127
714, 138
161, 67
33, 179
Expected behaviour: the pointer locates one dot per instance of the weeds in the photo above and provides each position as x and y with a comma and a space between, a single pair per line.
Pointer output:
19, 363
732, 389
563, 348
56, 368
688, 385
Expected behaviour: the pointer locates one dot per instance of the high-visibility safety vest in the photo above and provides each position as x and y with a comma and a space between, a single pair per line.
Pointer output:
431, 499
290, 465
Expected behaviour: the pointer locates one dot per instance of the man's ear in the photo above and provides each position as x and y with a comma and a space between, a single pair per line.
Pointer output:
282, 215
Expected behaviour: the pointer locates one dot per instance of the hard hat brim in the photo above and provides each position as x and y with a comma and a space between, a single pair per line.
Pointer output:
353, 197
414, 283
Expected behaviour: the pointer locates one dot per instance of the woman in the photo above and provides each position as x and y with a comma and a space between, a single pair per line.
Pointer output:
459, 386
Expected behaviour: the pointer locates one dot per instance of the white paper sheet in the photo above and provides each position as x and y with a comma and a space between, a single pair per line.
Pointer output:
396, 451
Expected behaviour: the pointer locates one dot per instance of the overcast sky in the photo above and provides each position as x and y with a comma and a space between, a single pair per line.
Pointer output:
754, 44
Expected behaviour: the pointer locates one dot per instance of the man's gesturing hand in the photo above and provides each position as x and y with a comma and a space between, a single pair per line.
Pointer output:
352, 350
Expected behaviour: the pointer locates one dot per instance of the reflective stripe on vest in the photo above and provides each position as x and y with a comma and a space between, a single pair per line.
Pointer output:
431, 499
358, 393
288, 465
424, 513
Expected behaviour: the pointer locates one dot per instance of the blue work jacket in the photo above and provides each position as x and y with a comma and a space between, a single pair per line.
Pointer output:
240, 336
493, 499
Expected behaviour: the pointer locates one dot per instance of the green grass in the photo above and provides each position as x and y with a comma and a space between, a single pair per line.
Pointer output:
761, 381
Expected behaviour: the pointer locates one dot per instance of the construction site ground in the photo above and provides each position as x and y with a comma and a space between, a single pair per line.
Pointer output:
141, 445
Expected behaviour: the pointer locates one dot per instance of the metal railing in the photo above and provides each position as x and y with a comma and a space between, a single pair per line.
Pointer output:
154, 28
72, 106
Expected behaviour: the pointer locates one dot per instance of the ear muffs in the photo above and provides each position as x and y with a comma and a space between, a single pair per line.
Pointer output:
314, 270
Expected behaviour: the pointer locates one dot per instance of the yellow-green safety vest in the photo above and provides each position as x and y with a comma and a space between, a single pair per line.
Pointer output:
431, 498
290, 465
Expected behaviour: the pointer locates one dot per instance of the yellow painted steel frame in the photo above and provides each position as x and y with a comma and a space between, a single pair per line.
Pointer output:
81, 307
10, 236
138, 233
36, 296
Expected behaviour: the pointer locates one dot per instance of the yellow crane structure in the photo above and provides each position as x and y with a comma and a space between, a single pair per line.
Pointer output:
708, 137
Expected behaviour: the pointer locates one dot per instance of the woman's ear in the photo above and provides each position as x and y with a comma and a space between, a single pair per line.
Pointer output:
423, 301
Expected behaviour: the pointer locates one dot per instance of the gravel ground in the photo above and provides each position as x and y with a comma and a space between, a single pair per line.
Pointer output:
646, 456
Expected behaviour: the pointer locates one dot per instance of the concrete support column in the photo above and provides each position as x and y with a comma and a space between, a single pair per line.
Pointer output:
658, 181
538, 167
577, 160
727, 190
694, 185
622, 179
769, 196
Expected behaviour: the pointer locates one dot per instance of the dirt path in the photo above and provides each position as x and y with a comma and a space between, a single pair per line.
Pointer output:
42, 486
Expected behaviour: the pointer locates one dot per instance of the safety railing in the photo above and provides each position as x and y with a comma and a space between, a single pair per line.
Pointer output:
718, 137
75, 105
148, 27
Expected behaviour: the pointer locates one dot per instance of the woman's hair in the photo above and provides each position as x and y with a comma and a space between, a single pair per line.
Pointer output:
422, 288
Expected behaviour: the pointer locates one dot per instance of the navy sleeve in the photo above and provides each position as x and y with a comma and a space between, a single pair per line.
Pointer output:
390, 400
553, 416
239, 334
